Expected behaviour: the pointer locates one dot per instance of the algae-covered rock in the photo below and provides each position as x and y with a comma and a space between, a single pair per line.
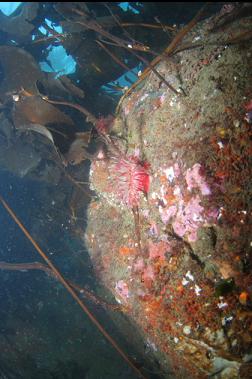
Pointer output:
165, 258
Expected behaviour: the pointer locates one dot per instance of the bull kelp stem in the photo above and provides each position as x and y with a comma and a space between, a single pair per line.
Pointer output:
69, 289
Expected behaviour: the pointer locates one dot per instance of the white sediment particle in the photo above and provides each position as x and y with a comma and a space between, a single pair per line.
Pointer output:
189, 275
220, 213
197, 290
236, 123
174, 154
197, 38
162, 190
197, 217
187, 330
184, 282
176, 191
162, 98
154, 195
169, 173
222, 305
144, 97
226, 320
151, 345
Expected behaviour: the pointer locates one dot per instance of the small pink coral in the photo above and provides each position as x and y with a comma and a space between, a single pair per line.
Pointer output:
177, 170
148, 276
130, 178
212, 214
189, 218
122, 289
167, 214
154, 230
248, 106
139, 265
195, 179
158, 250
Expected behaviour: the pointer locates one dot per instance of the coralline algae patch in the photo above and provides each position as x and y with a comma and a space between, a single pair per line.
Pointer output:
180, 199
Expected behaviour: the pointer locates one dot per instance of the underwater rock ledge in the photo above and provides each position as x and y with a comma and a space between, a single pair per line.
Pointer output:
188, 286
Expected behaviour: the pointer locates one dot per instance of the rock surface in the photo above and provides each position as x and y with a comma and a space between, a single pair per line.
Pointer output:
179, 262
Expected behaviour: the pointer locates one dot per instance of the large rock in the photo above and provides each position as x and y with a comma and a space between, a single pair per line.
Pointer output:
188, 286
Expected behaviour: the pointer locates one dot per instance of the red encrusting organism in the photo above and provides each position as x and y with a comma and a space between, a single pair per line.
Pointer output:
129, 177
